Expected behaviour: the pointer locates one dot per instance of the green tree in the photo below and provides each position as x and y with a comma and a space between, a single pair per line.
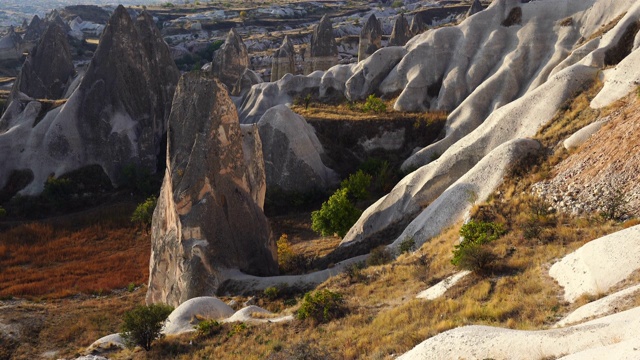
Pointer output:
321, 306
143, 214
472, 253
336, 216
357, 185
143, 324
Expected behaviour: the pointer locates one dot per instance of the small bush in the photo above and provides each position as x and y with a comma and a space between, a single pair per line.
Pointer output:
3, 212
58, 191
374, 104
142, 325
407, 245
472, 253
321, 306
271, 292
354, 272
288, 261
131, 287
336, 216
397, 4
208, 328
614, 205
357, 185
301, 351
379, 256
143, 214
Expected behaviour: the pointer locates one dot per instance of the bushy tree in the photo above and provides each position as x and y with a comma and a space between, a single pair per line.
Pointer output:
357, 185
321, 306
143, 324
336, 216
472, 253
143, 214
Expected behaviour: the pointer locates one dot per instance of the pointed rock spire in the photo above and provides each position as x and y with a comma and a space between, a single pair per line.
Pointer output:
418, 25
283, 60
370, 38
34, 30
400, 33
475, 8
206, 220
323, 52
230, 61
48, 69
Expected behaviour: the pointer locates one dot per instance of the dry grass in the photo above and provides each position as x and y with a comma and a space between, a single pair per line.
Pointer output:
603, 29
351, 112
78, 254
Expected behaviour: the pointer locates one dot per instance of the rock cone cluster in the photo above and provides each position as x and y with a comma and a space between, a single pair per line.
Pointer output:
323, 52
283, 61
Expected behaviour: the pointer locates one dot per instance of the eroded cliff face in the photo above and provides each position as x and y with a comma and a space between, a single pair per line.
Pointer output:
206, 219
115, 117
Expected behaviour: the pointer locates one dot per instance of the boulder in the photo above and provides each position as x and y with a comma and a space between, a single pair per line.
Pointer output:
370, 38
191, 312
206, 220
105, 344
401, 32
323, 52
231, 61
48, 68
292, 153
283, 60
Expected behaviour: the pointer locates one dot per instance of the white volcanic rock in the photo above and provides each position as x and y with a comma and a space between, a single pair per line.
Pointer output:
587, 341
191, 312
598, 265
605, 306
369, 73
113, 342
292, 152
248, 314
441, 288
581, 136
519, 119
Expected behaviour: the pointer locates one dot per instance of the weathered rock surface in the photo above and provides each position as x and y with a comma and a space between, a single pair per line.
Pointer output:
283, 60
35, 30
608, 305
10, 46
186, 316
418, 25
598, 265
231, 61
401, 32
323, 52
48, 69
370, 38
115, 117
254, 160
206, 220
292, 152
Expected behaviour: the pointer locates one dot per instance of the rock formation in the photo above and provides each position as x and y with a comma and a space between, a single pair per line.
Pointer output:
292, 153
10, 46
231, 61
475, 8
370, 38
206, 220
283, 61
401, 33
115, 117
323, 52
417, 24
48, 69
254, 160
35, 30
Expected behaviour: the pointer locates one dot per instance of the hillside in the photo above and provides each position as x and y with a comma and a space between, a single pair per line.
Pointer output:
472, 194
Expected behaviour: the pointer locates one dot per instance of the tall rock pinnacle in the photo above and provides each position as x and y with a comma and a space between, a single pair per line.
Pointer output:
283, 61
323, 52
230, 61
401, 33
370, 38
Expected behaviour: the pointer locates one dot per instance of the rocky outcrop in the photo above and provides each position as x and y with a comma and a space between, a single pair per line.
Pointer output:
230, 62
254, 160
292, 153
400, 33
35, 30
10, 46
418, 25
48, 69
323, 52
370, 38
116, 116
283, 61
475, 8
206, 220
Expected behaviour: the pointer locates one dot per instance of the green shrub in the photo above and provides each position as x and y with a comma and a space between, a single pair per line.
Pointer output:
288, 261
336, 216
472, 253
142, 325
143, 214
321, 306
374, 104
379, 256
58, 191
397, 4
407, 245
357, 185
208, 328
131, 287
271, 292
3, 212
614, 205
